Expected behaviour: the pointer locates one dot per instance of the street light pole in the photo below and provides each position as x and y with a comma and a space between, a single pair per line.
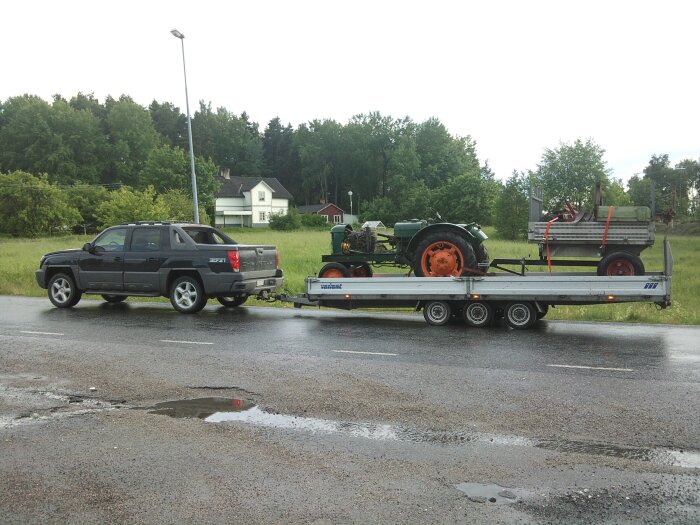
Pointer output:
179, 35
350, 195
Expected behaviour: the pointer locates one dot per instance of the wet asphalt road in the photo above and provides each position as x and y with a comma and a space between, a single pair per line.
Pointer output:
356, 417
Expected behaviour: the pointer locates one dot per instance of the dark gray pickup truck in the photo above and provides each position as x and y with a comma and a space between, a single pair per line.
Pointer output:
189, 263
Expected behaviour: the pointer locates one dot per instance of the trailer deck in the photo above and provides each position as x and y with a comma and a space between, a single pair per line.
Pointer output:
521, 299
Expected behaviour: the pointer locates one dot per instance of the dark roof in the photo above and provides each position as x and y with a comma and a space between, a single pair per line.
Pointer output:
235, 186
315, 208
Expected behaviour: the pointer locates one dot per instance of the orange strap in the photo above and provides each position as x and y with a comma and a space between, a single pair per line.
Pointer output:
607, 226
546, 242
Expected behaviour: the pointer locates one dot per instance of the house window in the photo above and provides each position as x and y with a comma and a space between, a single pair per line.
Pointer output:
336, 219
261, 216
261, 196
325, 217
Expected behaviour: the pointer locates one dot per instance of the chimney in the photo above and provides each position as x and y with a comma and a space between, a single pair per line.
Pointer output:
322, 201
226, 173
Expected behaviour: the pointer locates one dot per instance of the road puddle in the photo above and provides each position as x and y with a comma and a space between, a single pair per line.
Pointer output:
492, 493
227, 410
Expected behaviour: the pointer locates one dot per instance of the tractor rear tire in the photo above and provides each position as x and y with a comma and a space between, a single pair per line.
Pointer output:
443, 255
334, 270
482, 254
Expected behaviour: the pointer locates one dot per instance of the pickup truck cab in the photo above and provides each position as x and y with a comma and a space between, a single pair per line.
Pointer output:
189, 263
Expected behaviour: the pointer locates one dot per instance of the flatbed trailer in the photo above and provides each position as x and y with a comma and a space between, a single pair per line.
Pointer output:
521, 299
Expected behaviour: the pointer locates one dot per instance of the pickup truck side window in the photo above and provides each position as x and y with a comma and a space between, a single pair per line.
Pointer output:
145, 240
111, 240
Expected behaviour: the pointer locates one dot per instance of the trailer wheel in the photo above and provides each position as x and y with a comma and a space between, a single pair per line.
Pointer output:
443, 255
437, 313
621, 263
334, 270
361, 270
520, 315
477, 314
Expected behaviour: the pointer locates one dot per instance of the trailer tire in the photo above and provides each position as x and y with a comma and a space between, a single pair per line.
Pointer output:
437, 313
334, 270
619, 264
443, 255
477, 314
520, 315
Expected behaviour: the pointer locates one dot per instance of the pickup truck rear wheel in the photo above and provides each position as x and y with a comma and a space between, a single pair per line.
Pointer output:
233, 300
114, 298
187, 295
63, 293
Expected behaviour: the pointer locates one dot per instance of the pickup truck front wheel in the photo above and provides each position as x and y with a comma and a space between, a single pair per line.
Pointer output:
187, 295
232, 301
63, 292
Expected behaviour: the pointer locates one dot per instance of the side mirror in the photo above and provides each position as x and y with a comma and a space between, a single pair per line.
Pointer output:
87, 247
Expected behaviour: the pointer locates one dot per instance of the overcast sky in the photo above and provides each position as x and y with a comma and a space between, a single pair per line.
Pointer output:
518, 76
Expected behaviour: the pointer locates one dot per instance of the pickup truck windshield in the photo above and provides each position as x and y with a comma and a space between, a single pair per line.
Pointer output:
208, 236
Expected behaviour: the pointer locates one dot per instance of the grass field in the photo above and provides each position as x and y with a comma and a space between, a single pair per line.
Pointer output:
301, 257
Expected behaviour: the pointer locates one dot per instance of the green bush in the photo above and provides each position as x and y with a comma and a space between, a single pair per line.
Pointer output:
312, 221
290, 221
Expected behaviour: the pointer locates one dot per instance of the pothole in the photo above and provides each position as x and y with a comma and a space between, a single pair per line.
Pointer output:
492, 493
231, 410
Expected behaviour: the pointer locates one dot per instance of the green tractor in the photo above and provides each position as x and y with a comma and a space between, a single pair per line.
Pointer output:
428, 250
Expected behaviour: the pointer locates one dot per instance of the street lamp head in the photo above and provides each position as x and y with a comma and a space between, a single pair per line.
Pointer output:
350, 193
177, 34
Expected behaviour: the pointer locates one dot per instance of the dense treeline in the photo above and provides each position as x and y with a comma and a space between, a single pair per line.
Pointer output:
397, 169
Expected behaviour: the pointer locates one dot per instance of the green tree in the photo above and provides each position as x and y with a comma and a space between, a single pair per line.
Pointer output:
570, 172
170, 124
132, 138
512, 207
168, 168
177, 205
287, 222
32, 207
86, 198
128, 205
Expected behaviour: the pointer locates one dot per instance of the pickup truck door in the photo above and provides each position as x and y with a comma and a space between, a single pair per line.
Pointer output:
102, 267
144, 259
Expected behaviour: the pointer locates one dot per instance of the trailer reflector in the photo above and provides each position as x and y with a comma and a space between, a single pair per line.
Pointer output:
475, 296
611, 297
347, 296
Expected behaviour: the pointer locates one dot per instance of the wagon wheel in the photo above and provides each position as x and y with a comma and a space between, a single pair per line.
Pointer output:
621, 264
443, 255
361, 270
334, 271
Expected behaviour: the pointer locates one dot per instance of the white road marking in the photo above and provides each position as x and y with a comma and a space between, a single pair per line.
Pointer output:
185, 342
594, 368
40, 333
354, 352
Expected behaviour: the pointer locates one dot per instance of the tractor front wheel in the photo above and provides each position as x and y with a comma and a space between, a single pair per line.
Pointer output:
443, 255
361, 270
334, 270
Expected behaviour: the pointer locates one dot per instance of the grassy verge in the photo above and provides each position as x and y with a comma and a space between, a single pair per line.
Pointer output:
301, 257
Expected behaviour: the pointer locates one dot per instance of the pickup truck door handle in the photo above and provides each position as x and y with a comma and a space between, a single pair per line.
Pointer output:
153, 259
117, 258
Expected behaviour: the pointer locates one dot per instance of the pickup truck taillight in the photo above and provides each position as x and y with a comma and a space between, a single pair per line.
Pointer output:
234, 257
277, 258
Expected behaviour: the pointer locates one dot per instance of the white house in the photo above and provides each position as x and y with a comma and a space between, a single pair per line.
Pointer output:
250, 201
